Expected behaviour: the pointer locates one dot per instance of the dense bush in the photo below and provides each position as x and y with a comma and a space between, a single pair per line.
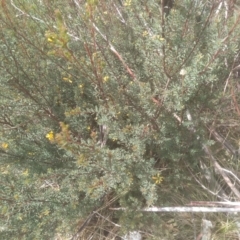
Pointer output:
108, 103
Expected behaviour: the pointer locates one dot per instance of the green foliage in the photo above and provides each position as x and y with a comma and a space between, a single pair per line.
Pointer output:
68, 70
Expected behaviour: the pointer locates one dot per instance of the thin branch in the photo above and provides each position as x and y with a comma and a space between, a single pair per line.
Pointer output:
223, 41
197, 40
117, 225
116, 53
215, 163
228, 146
231, 173
85, 223
39, 20
220, 170
184, 209
119, 13
214, 204
25, 14
207, 189
219, 8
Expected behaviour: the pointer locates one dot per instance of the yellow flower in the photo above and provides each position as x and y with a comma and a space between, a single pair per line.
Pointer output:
145, 33
50, 39
16, 197
5, 145
50, 136
67, 79
106, 78
81, 160
25, 173
46, 212
157, 179
127, 3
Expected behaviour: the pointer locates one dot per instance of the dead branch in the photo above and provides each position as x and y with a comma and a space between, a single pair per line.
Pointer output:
185, 209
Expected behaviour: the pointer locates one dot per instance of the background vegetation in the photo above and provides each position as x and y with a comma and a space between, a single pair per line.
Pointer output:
117, 104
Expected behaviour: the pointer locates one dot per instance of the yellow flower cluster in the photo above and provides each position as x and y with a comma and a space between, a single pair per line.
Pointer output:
63, 137
158, 37
50, 136
5, 145
157, 179
106, 78
50, 39
145, 33
128, 3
